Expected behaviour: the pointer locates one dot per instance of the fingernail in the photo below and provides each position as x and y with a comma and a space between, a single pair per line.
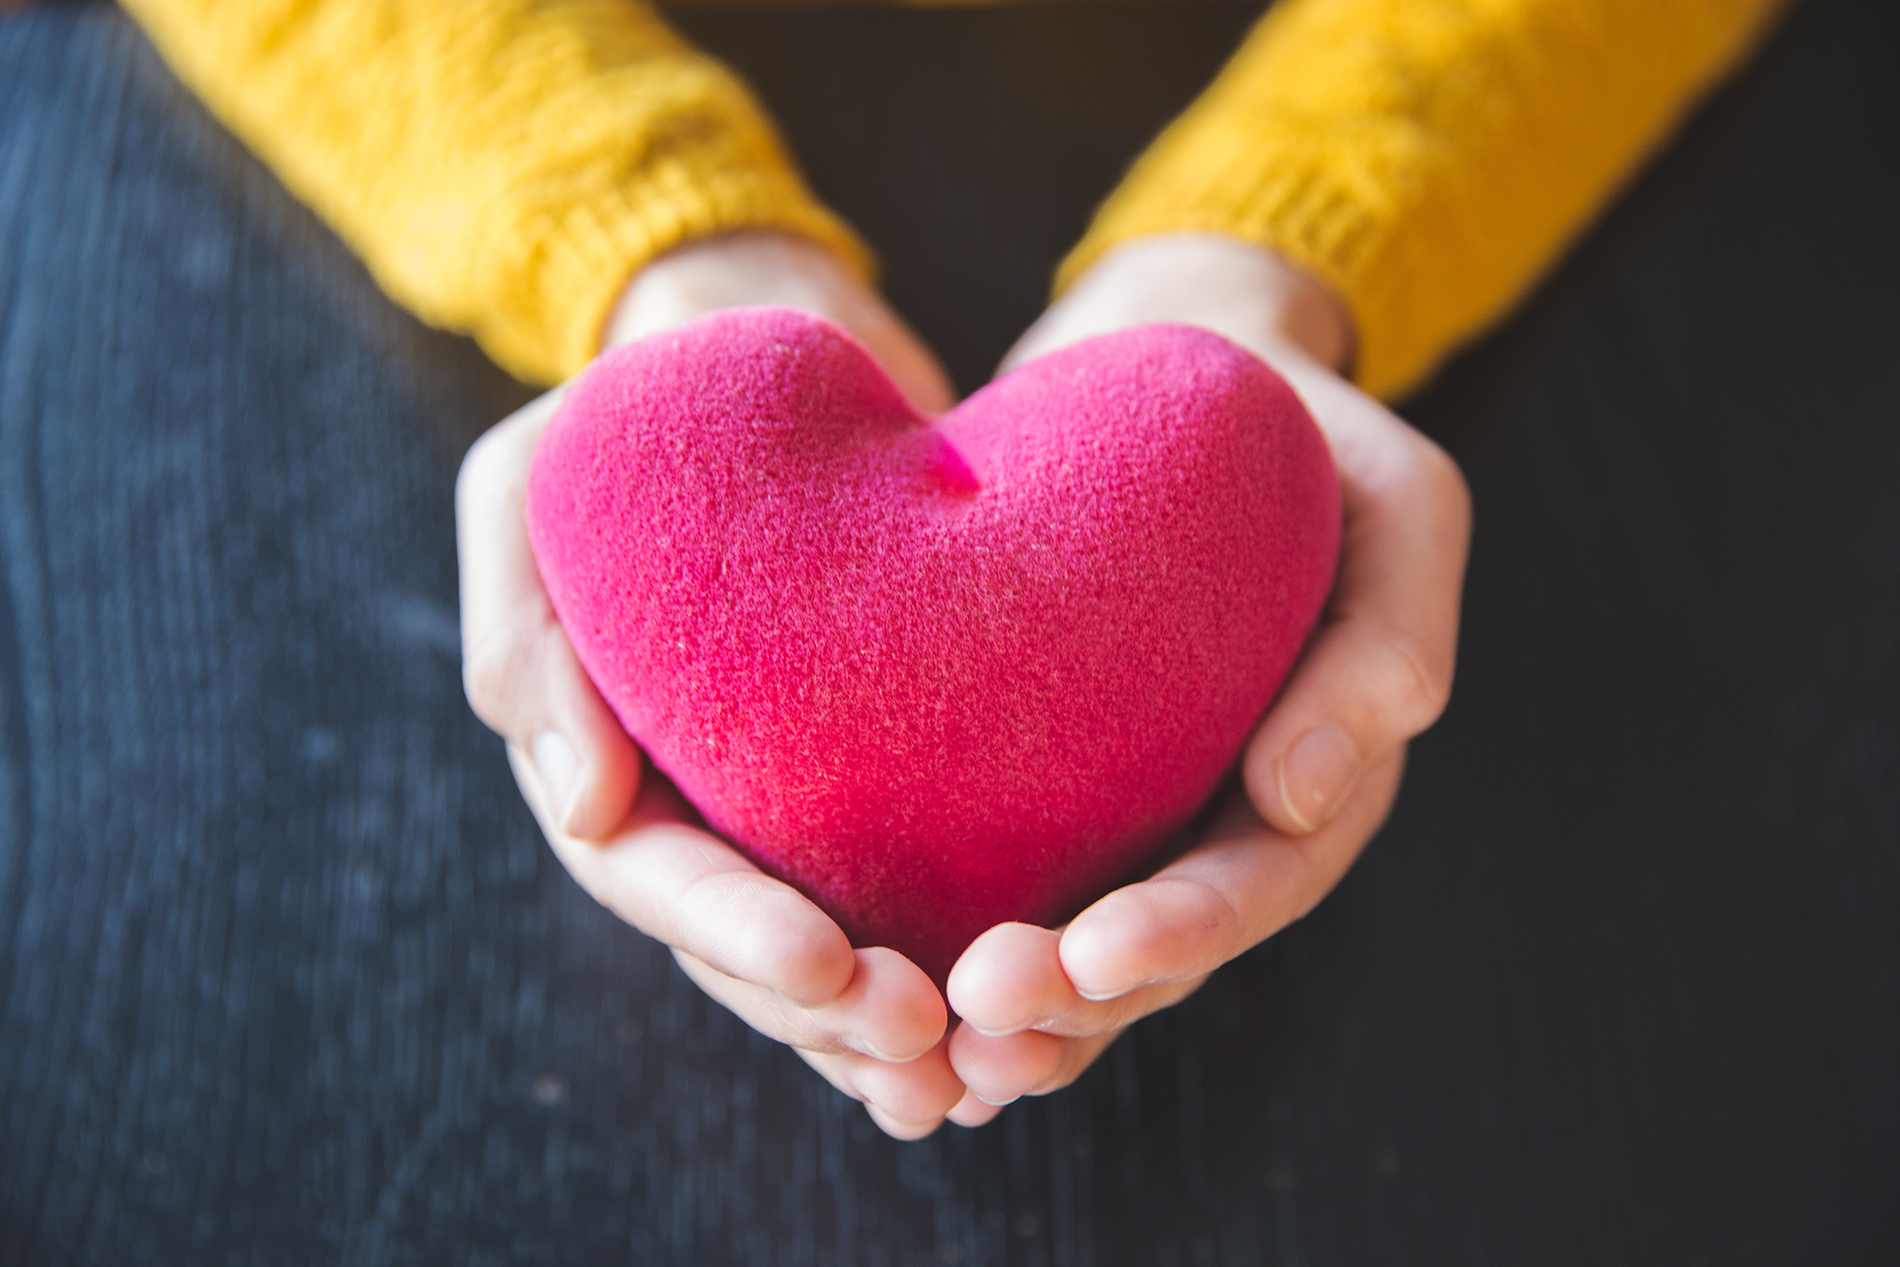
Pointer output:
1007, 1030
996, 1033
1316, 774
1105, 996
864, 1048
556, 763
998, 1104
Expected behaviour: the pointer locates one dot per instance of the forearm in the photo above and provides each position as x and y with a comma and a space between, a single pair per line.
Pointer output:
1426, 159
502, 167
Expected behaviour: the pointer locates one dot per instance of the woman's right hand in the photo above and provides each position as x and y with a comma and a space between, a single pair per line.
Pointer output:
870, 1021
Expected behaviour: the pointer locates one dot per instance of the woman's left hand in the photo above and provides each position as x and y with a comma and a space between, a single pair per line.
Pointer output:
1322, 771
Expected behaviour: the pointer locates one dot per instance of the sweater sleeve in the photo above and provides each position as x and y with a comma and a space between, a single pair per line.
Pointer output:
1426, 158
501, 166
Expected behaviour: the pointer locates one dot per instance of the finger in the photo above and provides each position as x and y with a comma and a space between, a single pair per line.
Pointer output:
915, 1095
520, 671
905, 1131
687, 888
972, 1112
1241, 885
889, 1011
1077, 1055
999, 1070
1011, 979
1378, 671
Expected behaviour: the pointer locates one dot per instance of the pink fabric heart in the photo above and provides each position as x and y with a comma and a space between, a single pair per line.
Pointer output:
941, 674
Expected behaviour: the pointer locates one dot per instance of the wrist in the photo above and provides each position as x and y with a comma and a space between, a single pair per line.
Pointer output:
1243, 291
731, 270
768, 266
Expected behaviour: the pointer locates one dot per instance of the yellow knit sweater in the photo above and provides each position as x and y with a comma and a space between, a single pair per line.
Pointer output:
504, 166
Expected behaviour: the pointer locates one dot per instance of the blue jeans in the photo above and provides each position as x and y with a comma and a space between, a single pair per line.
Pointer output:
287, 975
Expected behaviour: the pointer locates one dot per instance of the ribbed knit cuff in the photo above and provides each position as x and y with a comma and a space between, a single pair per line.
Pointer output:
1274, 188
1426, 159
503, 167
588, 257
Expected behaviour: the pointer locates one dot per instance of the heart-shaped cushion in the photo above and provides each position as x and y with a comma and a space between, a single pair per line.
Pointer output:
937, 674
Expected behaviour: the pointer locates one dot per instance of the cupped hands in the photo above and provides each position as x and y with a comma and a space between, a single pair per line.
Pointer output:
1037, 1005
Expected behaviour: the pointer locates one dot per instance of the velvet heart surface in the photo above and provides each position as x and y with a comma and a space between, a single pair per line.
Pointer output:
936, 674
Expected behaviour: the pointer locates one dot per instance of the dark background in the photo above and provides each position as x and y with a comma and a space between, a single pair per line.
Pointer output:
286, 975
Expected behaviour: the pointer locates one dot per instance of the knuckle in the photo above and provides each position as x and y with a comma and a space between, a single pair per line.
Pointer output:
1443, 481
785, 1022
1415, 680
479, 466
1223, 920
494, 667
493, 466
1207, 929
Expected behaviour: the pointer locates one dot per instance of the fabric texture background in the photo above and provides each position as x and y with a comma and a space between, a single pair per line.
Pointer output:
286, 975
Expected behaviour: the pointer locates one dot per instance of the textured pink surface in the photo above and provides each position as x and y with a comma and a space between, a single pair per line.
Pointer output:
937, 675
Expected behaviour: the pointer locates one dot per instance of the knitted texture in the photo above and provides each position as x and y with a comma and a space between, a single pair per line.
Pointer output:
939, 675
501, 166
504, 166
1425, 158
